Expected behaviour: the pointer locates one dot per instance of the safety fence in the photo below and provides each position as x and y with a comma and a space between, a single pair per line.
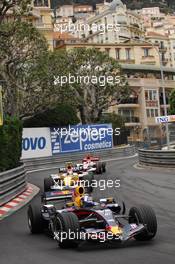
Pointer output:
48, 162
13, 182
164, 158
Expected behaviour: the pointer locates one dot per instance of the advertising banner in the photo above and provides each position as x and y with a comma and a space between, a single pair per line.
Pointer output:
81, 138
165, 119
36, 143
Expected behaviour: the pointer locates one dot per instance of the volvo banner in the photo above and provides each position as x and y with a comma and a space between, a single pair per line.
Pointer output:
36, 143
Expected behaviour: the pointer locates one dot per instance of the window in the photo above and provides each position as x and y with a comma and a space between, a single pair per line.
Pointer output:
126, 112
128, 54
151, 95
162, 45
147, 112
146, 52
107, 50
117, 53
40, 2
152, 112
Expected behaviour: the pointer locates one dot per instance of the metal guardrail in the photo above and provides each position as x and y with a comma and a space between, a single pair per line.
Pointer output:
157, 158
47, 162
12, 183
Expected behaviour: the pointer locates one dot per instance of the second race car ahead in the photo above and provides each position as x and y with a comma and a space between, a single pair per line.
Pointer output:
68, 178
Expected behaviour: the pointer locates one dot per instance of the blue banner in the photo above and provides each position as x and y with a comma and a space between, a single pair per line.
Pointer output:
81, 138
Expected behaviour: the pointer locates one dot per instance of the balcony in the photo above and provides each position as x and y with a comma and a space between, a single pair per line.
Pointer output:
151, 121
148, 60
168, 84
154, 83
128, 61
162, 106
129, 103
43, 26
35, 13
163, 49
131, 121
151, 103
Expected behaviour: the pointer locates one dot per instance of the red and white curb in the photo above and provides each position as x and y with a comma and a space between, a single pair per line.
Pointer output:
18, 201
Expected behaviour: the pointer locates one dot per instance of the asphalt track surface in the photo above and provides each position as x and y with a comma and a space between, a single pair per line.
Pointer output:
153, 187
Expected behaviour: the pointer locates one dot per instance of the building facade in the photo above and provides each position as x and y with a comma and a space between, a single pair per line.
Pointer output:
141, 66
111, 23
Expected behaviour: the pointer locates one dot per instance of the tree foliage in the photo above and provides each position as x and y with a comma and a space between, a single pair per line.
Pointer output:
61, 115
116, 120
89, 86
20, 55
10, 143
16, 7
172, 103
29, 70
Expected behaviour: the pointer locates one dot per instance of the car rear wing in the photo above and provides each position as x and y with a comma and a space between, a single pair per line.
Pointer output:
57, 195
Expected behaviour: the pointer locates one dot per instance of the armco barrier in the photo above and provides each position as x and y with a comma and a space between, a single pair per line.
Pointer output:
48, 162
12, 183
159, 158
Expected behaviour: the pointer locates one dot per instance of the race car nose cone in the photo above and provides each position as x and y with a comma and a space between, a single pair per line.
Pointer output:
116, 230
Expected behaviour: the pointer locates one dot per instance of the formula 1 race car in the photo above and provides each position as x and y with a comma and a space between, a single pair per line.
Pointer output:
103, 221
92, 163
89, 163
68, 178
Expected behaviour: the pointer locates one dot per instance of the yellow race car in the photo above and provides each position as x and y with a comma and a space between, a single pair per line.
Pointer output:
68, 179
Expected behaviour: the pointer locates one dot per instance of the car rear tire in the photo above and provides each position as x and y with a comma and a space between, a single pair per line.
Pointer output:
48, 182
146, 216
103, 167
99, 168
67, 222
35, 220
88, 179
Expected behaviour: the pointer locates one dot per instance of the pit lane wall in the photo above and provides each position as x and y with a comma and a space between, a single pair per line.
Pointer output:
157, 158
